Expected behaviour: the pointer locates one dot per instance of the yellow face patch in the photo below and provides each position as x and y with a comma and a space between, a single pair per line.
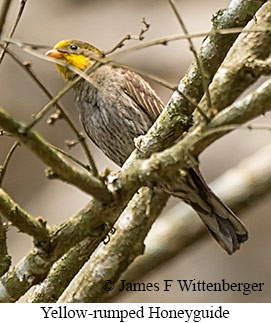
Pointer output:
77, 60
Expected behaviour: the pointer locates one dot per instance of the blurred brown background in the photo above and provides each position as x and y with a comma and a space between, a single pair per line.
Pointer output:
104, 23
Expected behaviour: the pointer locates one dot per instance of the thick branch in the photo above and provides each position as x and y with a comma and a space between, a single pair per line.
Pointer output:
238, 72
61, 273
125, 245
23, 221
65, 269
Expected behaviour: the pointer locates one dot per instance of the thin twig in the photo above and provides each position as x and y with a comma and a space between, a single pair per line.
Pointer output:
3, 168
139, 37
230, 127
193, 50
18, 17
64, 113
77, 161
3, 13
145, 28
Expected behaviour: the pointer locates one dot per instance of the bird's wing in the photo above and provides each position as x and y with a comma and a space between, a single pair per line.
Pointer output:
142, 93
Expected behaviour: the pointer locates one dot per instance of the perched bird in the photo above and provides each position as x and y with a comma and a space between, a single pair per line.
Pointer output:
116, 105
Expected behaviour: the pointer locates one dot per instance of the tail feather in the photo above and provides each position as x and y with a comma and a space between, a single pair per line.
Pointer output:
226, 236
224, 226
230, 234
222, 223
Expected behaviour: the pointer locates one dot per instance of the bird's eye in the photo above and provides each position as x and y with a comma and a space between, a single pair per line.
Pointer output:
73, 47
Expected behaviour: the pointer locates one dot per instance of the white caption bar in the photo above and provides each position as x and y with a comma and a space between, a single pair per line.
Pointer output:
134, 312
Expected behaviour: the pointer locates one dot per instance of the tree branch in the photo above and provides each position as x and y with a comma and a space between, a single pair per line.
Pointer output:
125, 245
236, 72
65, 269
23, 221
61, 273
3, 168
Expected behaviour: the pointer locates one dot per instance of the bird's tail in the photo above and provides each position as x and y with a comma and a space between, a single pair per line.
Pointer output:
222, 223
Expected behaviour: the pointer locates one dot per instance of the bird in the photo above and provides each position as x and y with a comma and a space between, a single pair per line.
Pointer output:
116, 105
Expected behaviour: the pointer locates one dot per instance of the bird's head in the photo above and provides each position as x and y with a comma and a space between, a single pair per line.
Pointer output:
75, 53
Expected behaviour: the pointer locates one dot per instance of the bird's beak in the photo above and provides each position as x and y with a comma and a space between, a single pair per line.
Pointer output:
54, 54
